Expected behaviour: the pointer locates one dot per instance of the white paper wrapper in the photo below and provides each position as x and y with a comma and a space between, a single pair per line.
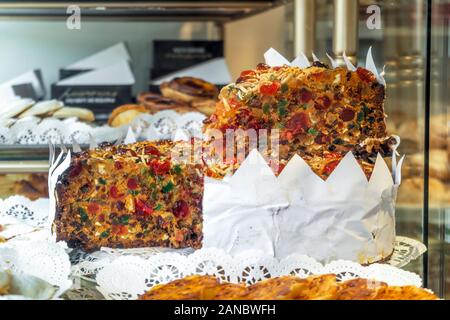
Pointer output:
244, 206
345, 217
275, 59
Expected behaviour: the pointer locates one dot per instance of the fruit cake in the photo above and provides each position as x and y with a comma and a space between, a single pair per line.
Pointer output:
320, 287
129, 196
321, 114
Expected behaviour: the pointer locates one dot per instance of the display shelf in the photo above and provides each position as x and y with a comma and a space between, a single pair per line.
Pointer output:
148, 10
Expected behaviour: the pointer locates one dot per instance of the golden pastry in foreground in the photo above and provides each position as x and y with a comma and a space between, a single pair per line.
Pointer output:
322, 287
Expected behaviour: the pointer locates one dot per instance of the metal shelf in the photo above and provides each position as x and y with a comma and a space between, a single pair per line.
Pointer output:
149, 10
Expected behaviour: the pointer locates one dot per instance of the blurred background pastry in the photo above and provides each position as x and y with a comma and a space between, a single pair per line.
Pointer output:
155, 102
189, 89
181, 95
125, 114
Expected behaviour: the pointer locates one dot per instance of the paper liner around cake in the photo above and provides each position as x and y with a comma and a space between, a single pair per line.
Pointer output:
345, 217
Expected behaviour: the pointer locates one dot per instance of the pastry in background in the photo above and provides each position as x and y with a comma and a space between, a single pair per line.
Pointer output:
125, 114
412, 131
438, 165
206, 107
155, 102
25, 108
188, 89
70, 112
14, 108
411, 191
33, 187
42, 108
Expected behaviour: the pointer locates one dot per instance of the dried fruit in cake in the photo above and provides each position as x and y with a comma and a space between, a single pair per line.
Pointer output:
189, 89
317, 111
130, 196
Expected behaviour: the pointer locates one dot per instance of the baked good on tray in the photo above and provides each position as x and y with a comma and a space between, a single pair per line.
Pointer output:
125, 114
189, 89
321, 114
80, 113
130, 196
322, 287
155, 102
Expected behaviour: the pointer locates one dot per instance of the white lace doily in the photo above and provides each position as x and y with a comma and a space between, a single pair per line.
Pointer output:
161, 125
129, 276
42, 259
28, 220
24, 219
24, 210
89, 264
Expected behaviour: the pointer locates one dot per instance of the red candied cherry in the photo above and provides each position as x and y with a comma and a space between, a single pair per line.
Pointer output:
152, 151
329, 167
120, 230
93, 208
347, 115
118, 165
322, 138
142, 208
262, 66
365, 75
299, 122
179, 235
305, 96
75, 170
247, 73
322, 103
180, 209
332, 155
269, 89
281, 167
158, 167
132, 184
114, 193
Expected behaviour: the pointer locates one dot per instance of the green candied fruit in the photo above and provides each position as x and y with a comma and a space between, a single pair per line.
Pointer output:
104, 234
168, 187
176, 169
312, 131
124, 219
83, 215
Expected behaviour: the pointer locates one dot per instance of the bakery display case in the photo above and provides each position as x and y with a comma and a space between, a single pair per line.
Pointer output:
86, 73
